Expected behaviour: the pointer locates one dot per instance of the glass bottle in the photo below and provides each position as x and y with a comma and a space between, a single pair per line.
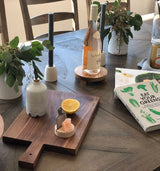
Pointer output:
92, 45
155, 51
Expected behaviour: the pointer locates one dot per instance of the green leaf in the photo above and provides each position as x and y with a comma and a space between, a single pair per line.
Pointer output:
2, 68
36, 51
7, 57
1, 57
22, 72
16, 88
37, 59
19, 78
106, 32
25, 48
129, 33
109, 36
139, 18
37, 44
47, 44
116, 4
126, 39
14, 43
39, 72
129, 13
10, 80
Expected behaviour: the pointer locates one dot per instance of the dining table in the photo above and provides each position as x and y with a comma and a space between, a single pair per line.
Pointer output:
114, 140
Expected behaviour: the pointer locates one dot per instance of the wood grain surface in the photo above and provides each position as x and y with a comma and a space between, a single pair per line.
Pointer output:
39, 132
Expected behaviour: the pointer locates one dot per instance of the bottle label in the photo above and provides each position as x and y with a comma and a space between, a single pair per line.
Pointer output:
86, 49
94, 58
157, 60
96, 35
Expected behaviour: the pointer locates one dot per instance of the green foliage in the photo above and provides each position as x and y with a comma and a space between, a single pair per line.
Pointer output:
120, 20
12, 57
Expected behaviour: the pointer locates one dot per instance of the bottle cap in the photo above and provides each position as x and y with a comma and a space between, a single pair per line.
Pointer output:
94, 12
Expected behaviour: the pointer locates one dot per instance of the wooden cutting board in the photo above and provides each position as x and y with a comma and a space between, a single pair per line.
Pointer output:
38, 133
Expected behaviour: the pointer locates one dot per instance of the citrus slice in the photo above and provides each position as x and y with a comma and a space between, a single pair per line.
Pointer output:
70, 106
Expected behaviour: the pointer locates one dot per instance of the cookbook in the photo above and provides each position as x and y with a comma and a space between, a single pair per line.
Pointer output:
124, 76
143, 101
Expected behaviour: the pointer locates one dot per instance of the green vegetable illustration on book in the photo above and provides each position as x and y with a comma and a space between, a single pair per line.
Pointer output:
134, 102
128, 90
147, 77
155, 111
148, 117
154, 87
142, 86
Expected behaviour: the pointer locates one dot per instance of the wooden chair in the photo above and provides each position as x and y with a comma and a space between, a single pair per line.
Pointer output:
123, 4
3, 23
41, 19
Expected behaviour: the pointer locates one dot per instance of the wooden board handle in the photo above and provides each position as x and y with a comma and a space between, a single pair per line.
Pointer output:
30, 157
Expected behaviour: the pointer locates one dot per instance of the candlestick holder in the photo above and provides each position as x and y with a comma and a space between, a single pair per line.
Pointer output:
50, 73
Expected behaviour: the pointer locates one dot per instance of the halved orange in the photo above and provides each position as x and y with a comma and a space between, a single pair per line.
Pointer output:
70, 106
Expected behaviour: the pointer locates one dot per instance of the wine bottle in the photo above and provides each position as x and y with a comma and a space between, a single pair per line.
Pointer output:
92, 45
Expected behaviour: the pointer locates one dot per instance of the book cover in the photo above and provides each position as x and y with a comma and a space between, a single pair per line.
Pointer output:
143, 101
125, 76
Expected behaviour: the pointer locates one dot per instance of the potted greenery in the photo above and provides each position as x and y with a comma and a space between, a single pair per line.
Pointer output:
118, 23
12, 58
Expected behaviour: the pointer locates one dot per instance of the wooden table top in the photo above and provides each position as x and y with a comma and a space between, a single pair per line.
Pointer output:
114, 140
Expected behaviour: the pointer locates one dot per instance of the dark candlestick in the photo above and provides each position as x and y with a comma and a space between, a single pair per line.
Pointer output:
102, 22
51, 20
158, 7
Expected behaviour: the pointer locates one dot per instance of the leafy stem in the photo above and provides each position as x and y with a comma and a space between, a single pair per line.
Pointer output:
12, 56
118, 19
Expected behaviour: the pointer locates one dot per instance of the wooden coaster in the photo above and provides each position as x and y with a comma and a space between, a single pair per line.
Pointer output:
84, 77
1, 126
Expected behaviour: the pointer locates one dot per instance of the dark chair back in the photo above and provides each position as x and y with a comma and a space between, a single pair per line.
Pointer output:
43, 18
3, 23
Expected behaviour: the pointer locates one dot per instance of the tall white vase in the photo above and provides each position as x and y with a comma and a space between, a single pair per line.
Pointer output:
117, 46
6, 92
36, 98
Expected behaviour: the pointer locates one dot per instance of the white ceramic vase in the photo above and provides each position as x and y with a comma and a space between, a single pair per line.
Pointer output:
36, 98
117, 46
6, 92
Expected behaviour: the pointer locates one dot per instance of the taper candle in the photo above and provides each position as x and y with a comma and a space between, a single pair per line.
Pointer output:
102, 22
51, 20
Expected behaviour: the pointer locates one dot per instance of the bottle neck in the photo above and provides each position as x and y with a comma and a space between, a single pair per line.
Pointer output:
93, 18
157, 8
93, 13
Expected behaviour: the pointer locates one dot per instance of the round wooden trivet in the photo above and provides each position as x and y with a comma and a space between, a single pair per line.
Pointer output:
1, 126
84, 77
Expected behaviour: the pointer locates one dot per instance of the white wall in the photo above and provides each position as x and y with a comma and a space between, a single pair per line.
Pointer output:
15, 21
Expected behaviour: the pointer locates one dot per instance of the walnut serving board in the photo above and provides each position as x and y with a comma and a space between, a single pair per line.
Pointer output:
39, 134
